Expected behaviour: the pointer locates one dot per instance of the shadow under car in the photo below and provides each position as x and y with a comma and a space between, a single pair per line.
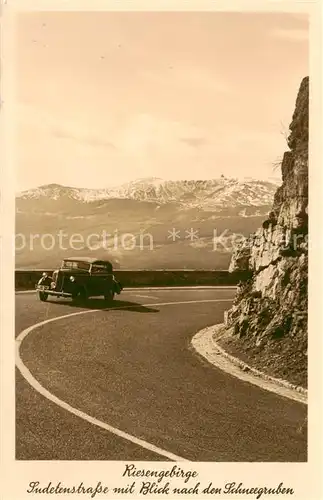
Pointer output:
97, 303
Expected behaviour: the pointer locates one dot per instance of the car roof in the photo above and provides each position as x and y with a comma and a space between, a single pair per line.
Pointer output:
89, 260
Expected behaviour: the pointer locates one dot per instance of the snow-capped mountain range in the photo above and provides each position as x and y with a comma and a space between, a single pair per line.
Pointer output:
203, 194
154, 206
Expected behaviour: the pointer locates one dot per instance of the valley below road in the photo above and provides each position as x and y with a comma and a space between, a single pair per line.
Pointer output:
122, 383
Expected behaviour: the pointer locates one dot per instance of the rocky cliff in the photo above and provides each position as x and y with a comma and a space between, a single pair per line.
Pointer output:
268, 321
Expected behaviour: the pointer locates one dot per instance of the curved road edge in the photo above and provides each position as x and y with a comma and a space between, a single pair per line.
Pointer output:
204, 344
35, 384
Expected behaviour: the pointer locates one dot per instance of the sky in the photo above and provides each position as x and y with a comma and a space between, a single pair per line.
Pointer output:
105, 98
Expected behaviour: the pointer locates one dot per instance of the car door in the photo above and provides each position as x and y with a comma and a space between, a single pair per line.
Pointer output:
99, 279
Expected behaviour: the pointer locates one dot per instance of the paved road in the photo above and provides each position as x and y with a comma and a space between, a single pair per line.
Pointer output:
131, 368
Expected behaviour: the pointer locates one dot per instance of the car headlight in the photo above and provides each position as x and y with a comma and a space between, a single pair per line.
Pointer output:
72, 279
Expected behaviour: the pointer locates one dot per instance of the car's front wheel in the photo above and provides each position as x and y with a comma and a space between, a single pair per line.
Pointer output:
43, 296
79, 295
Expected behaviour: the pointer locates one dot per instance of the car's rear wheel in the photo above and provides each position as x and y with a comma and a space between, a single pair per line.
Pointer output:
109, 296
43, 296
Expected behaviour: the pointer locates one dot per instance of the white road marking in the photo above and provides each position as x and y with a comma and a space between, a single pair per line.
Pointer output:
62, 404
179, 288
145, 296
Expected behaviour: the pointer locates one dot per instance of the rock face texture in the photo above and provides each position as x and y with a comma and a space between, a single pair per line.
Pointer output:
269, 315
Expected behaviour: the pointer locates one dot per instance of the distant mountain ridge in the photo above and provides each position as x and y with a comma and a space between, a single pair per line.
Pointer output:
209, 207
203, 194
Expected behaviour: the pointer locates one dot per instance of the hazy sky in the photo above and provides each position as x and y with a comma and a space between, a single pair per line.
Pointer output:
104, 98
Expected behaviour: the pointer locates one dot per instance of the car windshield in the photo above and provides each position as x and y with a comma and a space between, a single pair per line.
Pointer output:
74, 264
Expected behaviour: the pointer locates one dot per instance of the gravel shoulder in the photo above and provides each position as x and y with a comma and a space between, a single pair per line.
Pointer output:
213, 344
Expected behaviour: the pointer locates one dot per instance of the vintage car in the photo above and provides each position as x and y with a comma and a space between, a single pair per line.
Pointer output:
80, 278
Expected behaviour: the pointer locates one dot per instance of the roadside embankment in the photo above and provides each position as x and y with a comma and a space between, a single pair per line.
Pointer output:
208, 344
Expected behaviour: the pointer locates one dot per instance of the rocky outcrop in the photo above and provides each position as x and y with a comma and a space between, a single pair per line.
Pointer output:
270, 309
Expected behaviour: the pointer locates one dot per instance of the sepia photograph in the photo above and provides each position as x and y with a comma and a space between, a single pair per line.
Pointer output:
161, 241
